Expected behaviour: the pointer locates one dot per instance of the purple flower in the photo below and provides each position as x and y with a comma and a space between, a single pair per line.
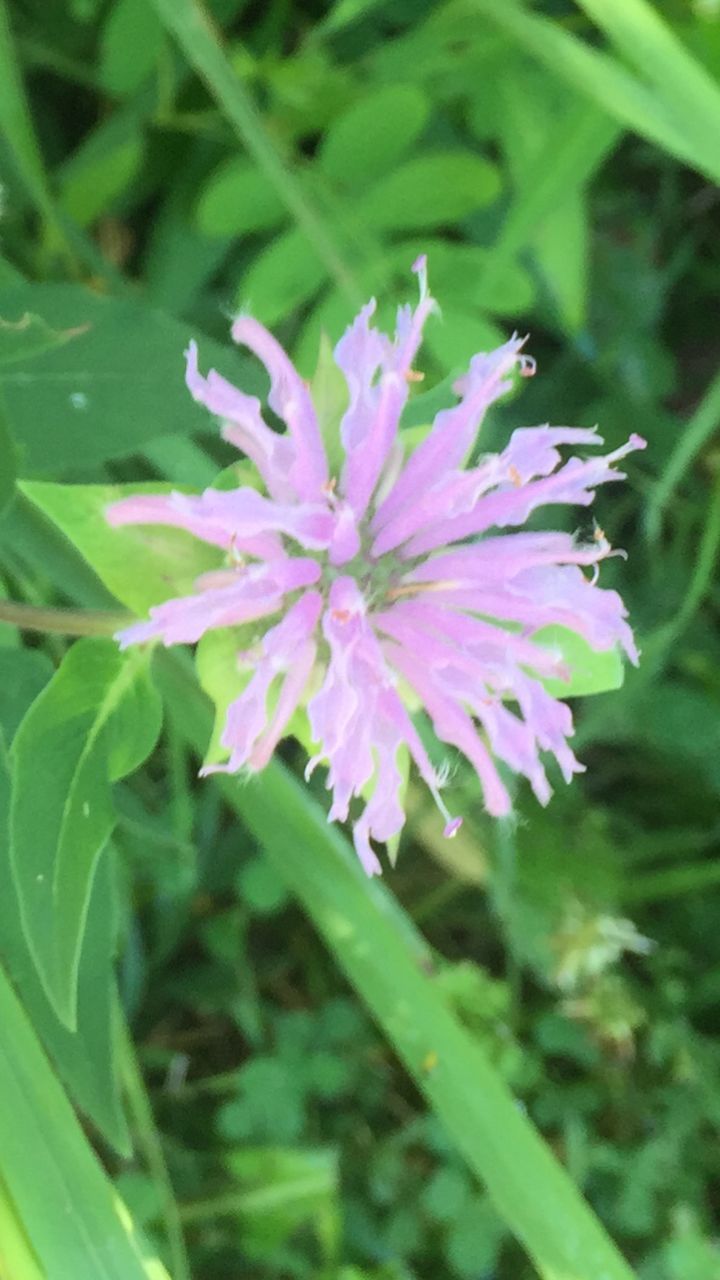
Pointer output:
405, 576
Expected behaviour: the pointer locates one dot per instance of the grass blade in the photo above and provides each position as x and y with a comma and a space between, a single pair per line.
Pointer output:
16, 123
190, 27
698, 431
58, 1189
576, 150
530, 1188
602, 78
643, 37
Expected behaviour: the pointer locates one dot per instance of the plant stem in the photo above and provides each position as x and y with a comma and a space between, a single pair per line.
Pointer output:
68, 622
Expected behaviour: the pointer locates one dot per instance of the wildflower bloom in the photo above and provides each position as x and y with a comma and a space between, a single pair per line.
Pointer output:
400, 574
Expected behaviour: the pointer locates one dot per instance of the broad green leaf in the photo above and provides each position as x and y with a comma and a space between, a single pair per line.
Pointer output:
118, 383
20, 1262
140, 564
362, 929
95, 722
70, 1214
8, 461
370, 138
431, 190
30, 336
590, 671
132, 38
239, 198
283, 276
85, 1058
221, 677
92, 181
457, 334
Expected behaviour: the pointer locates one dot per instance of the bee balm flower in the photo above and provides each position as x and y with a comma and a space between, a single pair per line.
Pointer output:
397, 574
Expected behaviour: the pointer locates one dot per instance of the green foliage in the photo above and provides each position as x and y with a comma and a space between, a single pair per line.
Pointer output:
96, 721
79, 386
140, 565
165, 162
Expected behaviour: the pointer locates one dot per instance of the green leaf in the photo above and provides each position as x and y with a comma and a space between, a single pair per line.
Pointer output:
283, 276
60, 1193
330, 396
431, 190
93, 180
457, 334
606, 81
189, 24
132, 38
683, 86
30, 336
140, 564
221, 677
590, 671
16, 123
456, 273
19, 1257
238, 199
96, 721
85, 1058
532, 103
370, 138
8, 461
118, 383
364, 931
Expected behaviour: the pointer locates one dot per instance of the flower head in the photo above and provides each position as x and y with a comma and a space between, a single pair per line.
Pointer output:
401, 574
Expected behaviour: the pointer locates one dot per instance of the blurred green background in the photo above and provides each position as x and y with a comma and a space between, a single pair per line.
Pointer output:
558, 163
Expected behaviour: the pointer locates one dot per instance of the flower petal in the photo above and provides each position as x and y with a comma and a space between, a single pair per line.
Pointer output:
290, 399
455, 430
370, 424
574, 483
256, 592
174, 510
287, 650
243, 424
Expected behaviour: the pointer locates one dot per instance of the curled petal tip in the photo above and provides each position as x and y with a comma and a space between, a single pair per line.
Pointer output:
419, 267
637, 441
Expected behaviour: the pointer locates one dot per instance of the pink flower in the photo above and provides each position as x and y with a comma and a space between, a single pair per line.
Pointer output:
404, 574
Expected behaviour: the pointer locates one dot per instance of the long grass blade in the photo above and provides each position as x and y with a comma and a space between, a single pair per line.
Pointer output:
701, 427
645, 39
529, 1186
603, 79
186, 21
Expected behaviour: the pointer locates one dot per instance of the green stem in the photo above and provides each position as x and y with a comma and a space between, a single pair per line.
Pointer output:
151, 1147
692, 439
67, 622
